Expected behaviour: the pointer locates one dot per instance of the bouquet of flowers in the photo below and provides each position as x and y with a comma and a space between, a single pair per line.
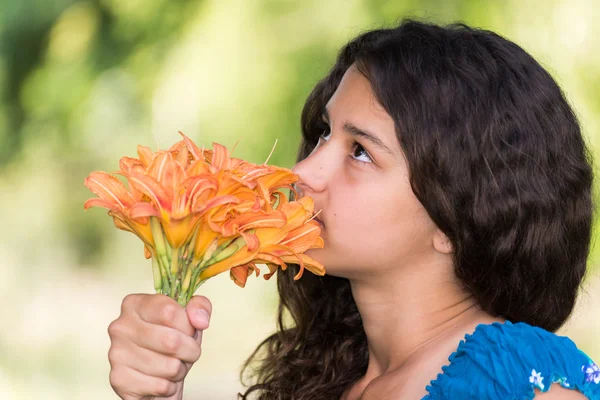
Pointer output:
200, 212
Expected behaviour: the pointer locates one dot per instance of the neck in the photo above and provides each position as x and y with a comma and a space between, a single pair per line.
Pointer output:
404, 312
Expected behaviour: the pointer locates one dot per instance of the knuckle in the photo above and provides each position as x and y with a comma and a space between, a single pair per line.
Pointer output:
171, 342
115, 328
172, 367
119, 328
197, 352
163, 387
115, 379
116, 356
113, 356
168, 312
129, 301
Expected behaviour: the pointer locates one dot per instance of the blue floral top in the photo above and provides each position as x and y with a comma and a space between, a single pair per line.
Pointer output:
508, 361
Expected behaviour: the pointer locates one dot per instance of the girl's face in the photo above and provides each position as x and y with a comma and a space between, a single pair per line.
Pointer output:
358, 176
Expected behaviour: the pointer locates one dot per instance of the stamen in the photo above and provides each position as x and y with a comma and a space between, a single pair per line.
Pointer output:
234, 146
272, 150
314, 216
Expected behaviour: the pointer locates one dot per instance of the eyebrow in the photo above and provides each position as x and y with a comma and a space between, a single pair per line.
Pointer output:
359, 132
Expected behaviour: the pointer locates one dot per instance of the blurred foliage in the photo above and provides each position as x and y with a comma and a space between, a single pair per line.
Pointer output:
83, 82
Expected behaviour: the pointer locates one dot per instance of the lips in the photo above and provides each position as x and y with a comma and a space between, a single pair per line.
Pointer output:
317, 214
319, 221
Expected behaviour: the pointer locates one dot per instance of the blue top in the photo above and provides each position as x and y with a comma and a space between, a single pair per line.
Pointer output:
508, 361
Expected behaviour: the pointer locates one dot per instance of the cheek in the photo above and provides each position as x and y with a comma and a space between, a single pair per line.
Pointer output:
375, 209
380, 227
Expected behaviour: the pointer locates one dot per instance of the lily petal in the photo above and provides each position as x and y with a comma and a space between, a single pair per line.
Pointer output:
193, 148
145, 155
242, 256
310, 264
143, 209
131, 165
218, 201
251, 240
241, 273
278, 177
254, 220
220, 158
100, 203
108, 188
154, 190
302, 238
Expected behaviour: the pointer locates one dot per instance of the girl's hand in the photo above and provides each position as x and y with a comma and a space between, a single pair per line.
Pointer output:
154, 343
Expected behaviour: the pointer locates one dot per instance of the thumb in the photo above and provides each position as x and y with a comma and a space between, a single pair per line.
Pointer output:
199, 310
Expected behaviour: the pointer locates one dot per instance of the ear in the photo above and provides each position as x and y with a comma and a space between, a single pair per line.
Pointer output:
441, 242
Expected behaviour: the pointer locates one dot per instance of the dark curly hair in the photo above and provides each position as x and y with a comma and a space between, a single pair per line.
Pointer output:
496, 157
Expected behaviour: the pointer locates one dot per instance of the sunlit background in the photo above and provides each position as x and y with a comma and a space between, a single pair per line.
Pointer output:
83, 82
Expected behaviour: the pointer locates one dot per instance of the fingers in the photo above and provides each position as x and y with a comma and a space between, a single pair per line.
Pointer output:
199, 310
149, 363
198, 337
167, 341
162, 310
129, 383
154, 343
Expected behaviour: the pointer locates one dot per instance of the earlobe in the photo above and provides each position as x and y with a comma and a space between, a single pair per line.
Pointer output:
441, 242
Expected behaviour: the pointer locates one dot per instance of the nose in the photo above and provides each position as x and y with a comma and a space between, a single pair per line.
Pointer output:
313, 172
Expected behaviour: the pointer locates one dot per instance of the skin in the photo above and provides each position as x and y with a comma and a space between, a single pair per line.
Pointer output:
376, 234
154, 343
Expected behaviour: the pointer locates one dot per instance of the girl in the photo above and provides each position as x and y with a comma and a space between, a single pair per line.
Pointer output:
456, 197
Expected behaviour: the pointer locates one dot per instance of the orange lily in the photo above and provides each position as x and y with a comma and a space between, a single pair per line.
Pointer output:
202, 212
285, 245
178, 199
121, 203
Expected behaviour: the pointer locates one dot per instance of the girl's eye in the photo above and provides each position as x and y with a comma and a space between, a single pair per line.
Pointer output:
359, 154
325, 133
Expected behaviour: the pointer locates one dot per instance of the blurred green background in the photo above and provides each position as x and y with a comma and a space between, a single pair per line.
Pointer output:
83, 82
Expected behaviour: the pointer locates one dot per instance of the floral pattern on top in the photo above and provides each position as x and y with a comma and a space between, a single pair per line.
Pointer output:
537, 379
525, 360
592, 373
563, 382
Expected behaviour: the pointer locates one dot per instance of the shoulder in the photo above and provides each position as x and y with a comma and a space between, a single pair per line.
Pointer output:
560, 393
506, 360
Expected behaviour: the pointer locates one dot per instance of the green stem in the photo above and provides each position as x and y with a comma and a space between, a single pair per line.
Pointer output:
174, 261
174, 272
210, 251
159, 242
168, 250
182, 299
195, 274
193, 288
187, 278
157, 235
165, 276
156, 274
189, 247
226, 250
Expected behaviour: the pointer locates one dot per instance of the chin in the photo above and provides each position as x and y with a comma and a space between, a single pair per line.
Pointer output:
325, 257
315, 254
321, 256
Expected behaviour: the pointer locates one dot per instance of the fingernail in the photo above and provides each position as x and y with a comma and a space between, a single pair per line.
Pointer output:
202, 316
